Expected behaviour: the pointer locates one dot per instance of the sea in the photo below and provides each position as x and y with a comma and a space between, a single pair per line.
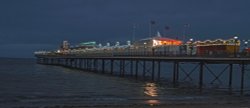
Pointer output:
26, 84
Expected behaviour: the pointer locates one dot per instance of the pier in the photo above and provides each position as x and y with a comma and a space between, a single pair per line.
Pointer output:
206, 64
152, 68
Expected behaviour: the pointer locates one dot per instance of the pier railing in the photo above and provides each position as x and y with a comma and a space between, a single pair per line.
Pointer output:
142, 53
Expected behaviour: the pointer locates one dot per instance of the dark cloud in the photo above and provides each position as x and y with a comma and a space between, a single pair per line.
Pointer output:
49, 22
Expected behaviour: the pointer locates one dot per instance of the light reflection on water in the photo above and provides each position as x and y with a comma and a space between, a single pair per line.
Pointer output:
151, 90
153, 102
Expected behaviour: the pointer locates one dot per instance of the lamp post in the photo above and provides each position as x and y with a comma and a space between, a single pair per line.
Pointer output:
235, 44
165, 50
144, 50
191, 46
246, 48
246, 44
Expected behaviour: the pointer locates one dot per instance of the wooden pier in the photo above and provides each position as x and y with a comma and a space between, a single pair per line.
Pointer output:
152, 67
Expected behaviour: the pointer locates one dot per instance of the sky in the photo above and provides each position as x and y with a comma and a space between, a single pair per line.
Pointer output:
30, 25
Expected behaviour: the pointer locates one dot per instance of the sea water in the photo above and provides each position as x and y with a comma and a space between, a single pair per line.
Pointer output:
23, 83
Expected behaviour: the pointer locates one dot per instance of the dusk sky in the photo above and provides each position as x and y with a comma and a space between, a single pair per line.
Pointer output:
30, 25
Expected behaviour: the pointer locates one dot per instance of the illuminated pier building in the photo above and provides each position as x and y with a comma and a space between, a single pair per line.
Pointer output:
216, 47
155, 46
158, 45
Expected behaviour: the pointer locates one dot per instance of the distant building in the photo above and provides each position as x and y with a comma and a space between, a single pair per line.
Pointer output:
65, 45
64, 48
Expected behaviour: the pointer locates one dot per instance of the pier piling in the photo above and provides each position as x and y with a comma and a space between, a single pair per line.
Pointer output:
150, 68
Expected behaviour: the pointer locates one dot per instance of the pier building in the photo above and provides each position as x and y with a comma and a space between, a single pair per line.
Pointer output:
218, 47
158, 45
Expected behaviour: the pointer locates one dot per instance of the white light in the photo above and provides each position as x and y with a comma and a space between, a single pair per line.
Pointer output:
235, 37
108, 44
128, 43
246, 42
191, 39
117, 44
155, 43
144, 43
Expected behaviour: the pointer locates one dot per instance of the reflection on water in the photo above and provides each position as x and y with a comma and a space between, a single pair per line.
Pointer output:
150, 89
153, 102
40, 85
